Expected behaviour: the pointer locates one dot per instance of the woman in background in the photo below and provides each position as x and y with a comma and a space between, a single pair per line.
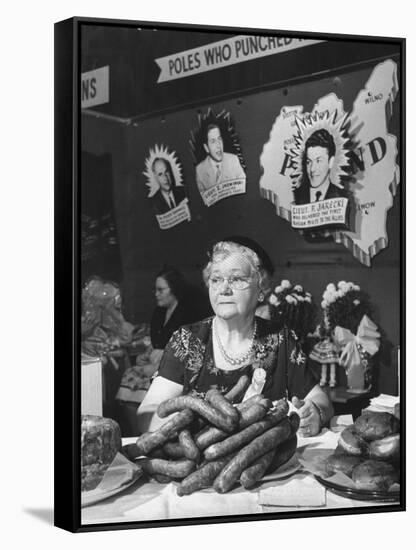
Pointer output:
174, 308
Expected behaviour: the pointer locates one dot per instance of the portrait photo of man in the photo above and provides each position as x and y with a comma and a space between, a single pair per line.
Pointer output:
317, 164
218, 166
168, 195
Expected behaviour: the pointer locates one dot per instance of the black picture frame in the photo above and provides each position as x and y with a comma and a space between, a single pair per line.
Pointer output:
68, 248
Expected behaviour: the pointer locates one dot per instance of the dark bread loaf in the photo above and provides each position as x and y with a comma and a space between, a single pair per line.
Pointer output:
100, 442
376, 425
374, 475
342, 462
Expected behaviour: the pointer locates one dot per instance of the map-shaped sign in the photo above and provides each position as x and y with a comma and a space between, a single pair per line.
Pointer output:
357, 170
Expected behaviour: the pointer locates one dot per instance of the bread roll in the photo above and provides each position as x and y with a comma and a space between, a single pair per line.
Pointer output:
351, 442
387, 448
342, 462
374, 475
376, 425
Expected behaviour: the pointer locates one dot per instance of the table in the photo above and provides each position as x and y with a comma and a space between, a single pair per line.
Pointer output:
146, 501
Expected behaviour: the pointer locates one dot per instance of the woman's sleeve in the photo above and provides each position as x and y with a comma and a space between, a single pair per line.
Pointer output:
172, 364
291, 374
301, 380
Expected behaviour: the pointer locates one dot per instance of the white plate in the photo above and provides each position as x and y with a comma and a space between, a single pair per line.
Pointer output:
130, 473
286, 469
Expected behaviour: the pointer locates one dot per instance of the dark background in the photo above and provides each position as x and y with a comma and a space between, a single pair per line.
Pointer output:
142, 113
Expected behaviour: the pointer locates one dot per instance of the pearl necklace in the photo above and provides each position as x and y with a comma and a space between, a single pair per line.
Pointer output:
235, 361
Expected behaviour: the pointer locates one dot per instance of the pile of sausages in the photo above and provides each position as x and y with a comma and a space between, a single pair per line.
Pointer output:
217, 441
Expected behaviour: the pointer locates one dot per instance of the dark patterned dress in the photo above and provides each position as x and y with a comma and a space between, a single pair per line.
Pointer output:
189, 360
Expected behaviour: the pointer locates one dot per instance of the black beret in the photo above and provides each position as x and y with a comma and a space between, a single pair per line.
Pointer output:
264, 258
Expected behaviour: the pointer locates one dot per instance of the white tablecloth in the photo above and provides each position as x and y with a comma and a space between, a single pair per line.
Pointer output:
146, 501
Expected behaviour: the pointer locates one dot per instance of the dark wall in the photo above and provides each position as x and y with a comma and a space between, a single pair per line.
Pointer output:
131, 52
144, 247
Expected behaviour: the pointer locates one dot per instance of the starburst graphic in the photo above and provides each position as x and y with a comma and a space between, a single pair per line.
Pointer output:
306, 126
229, 135
161, 151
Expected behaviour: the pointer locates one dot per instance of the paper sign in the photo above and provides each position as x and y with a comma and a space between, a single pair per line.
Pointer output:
326, 212
175, 216
224, 190
95, 87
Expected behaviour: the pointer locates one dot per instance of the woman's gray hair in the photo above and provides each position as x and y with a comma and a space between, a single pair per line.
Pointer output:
224, 249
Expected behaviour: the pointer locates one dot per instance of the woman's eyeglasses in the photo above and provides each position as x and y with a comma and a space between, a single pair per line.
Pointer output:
235, 283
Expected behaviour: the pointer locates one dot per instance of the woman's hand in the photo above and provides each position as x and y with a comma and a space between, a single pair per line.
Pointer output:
156, 356
147, 370
310, 420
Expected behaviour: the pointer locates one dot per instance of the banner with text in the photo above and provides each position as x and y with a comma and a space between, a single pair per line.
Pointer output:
225, 52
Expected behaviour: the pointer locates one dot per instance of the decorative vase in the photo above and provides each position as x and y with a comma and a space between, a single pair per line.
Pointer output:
359, 376
355, 379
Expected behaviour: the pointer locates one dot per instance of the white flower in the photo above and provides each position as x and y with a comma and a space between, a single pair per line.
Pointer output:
327, 295
357, 288
356, 302
278, 289
350, 286
291, 299
300, 359
308, 294
298, 288
308, 299
324, 304
273, 300
331, 287
299, 298
286, 284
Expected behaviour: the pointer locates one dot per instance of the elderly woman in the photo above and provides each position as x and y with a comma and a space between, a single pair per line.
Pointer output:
217, 351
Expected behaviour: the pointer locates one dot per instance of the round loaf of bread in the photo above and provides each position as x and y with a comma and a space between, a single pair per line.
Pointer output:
374, 475
376, 425
100, 442
351, 442
387, 448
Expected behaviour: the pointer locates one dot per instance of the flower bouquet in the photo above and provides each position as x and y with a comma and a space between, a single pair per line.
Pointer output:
347, 311
294, 311
104, 331
293, 308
